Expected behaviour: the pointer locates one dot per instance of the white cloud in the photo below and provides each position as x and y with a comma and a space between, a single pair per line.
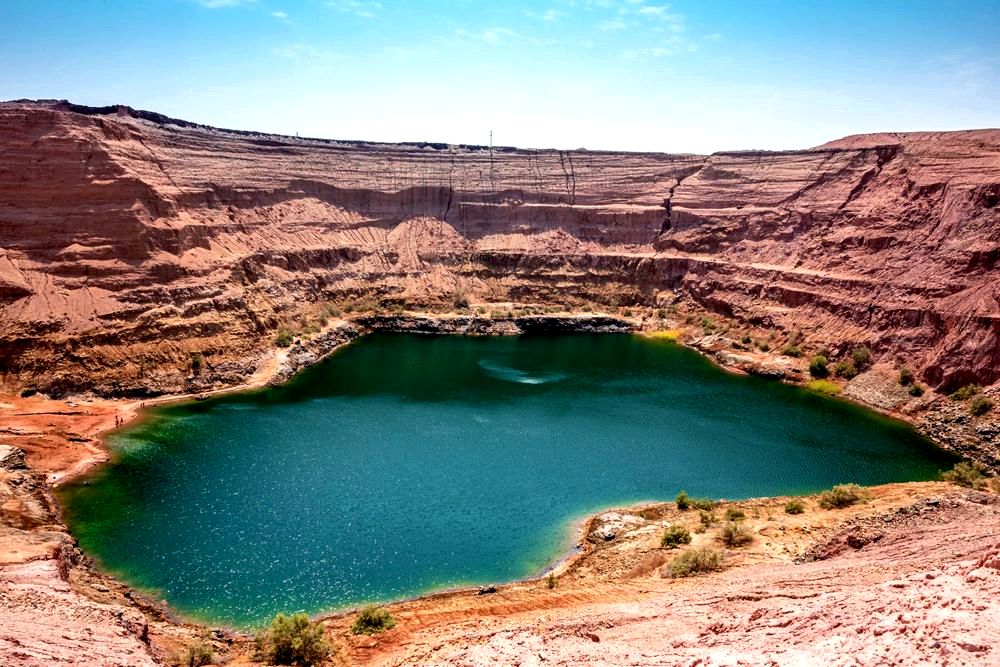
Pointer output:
304, 52
281, 16
547, 15
612, 24
360, 8
493, 36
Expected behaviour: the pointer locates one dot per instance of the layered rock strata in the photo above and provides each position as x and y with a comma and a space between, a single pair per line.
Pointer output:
131, 243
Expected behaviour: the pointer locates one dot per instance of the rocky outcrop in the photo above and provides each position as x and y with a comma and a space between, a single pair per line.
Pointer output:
132, 244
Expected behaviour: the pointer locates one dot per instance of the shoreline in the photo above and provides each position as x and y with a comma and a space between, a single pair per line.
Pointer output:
281, 364
273, 368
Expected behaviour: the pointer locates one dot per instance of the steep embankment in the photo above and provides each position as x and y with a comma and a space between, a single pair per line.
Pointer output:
130, 241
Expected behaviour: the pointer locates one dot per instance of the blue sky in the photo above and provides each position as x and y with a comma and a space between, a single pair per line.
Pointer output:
692, 76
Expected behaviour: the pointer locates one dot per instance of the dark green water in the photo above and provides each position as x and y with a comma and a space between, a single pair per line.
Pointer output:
406, 464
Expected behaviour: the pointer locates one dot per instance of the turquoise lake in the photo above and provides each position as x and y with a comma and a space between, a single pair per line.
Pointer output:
406, 464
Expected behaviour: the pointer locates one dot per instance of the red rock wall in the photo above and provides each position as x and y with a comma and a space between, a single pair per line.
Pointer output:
129, 241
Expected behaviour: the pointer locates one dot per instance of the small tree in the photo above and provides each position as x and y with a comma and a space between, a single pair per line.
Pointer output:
795, 506
842, 495
846, 370
916, 390
373, 620
695, 561
284, 338
906, 376
970, 474
735, 534
966, 392
818, 368
294, 640
980, 405
735, 514
861, 357
674, 536
683, 501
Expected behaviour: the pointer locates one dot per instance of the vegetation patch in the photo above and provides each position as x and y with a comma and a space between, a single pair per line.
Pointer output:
694, 561
916, 390
861, 357
966, 392
970, 474
674, 536
683, 501
735, 514
823, 387
818, 367
198, 654
842, 495
795, 506
284, 338
735, 534
293, 640
703, 504
906, 376
980, 405
846, 370
671, 335
372, 620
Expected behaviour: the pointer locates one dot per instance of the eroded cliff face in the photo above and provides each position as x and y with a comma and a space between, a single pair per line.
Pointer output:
130, 242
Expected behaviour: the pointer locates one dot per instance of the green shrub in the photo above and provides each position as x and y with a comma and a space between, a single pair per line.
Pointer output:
707, 324
842, 495
197, 361
735, 534
661, 313
795, 506
735, 514
916, 390
703, 504
764, 347
372, 620
980, 405
970, 474
198, 654
707, 518
293, 640
861, 357
846, 370
284, 338
966, 392
683, 501
551, 581
747, 339
792, 351
818, 368
674, 536
695, 561
906, 376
